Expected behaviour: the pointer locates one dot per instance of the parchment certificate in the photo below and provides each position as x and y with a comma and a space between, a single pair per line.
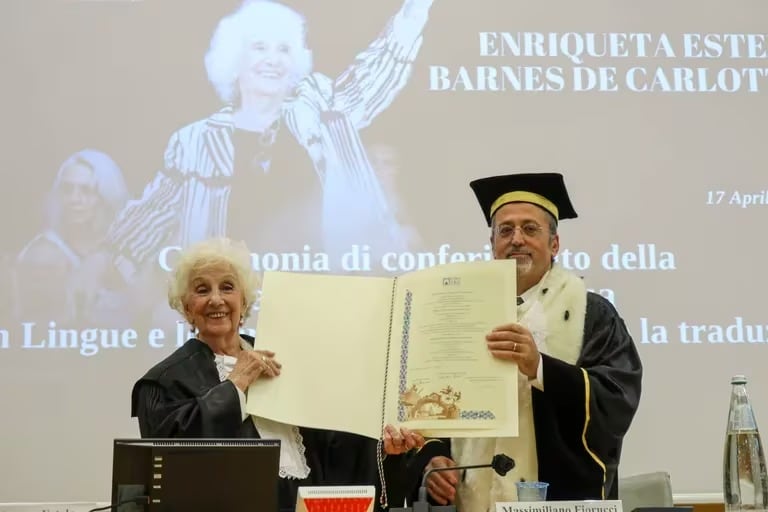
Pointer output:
448, 382
330, 335
359, 352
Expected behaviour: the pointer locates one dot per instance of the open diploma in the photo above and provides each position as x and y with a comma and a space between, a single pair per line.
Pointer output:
359, 352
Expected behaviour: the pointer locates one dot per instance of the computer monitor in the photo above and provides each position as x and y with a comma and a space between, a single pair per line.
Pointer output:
196, 475
339, 498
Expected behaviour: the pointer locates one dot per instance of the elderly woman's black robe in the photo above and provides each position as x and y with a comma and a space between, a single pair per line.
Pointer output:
182, 396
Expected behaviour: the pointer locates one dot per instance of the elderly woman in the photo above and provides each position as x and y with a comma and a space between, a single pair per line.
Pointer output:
282, 165
87, 192
199, 390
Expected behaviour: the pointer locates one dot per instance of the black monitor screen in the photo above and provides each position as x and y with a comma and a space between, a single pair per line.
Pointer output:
196, 475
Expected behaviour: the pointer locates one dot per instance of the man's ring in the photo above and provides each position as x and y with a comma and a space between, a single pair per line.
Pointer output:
264, 358
514, 347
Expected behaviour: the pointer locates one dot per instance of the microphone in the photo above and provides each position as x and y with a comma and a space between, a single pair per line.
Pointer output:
500, 463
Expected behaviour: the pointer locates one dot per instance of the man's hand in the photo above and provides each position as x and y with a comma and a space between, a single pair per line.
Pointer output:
400, 441
441, 485
513, 342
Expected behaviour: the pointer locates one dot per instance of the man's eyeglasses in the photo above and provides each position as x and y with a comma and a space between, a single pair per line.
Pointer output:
529, 230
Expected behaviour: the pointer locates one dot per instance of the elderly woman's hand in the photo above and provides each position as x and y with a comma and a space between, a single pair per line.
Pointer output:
400, 441
253, 364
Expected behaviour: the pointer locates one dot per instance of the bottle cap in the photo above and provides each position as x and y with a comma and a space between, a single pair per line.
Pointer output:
739, 379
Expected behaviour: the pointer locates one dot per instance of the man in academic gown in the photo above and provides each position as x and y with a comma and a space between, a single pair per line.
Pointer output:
579, 371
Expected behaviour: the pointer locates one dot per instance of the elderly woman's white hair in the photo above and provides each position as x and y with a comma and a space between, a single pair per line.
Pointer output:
110, 184
224, 57
208, 254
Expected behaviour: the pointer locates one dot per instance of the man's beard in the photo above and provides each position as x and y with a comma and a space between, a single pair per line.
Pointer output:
523, 261
523, 265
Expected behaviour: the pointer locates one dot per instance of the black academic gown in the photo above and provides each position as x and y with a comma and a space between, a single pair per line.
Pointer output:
182, 397
601, 391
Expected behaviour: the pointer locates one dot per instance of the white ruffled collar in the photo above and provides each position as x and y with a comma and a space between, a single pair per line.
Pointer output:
293, 460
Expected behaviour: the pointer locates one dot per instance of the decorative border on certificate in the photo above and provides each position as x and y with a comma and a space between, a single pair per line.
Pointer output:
406, 335
477, 415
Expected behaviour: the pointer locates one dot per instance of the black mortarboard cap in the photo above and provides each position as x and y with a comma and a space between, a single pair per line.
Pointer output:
546, 190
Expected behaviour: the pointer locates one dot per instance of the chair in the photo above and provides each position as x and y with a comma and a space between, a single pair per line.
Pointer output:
646, 490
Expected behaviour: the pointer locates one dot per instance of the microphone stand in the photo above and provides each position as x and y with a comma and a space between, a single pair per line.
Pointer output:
501, 464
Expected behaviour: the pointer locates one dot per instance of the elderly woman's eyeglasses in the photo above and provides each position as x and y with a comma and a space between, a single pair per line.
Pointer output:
528, 230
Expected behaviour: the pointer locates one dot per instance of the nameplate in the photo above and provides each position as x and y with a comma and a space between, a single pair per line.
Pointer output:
559, 506
50, 507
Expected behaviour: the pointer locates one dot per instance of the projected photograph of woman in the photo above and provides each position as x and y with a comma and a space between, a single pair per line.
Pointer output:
282, 164
87, 192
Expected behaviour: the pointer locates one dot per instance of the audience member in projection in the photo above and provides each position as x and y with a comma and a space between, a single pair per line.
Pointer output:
386, 163
578, 368
87, 192
7, 298
281, 165
199, 390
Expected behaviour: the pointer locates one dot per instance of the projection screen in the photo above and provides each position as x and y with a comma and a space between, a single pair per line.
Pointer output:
119, 149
